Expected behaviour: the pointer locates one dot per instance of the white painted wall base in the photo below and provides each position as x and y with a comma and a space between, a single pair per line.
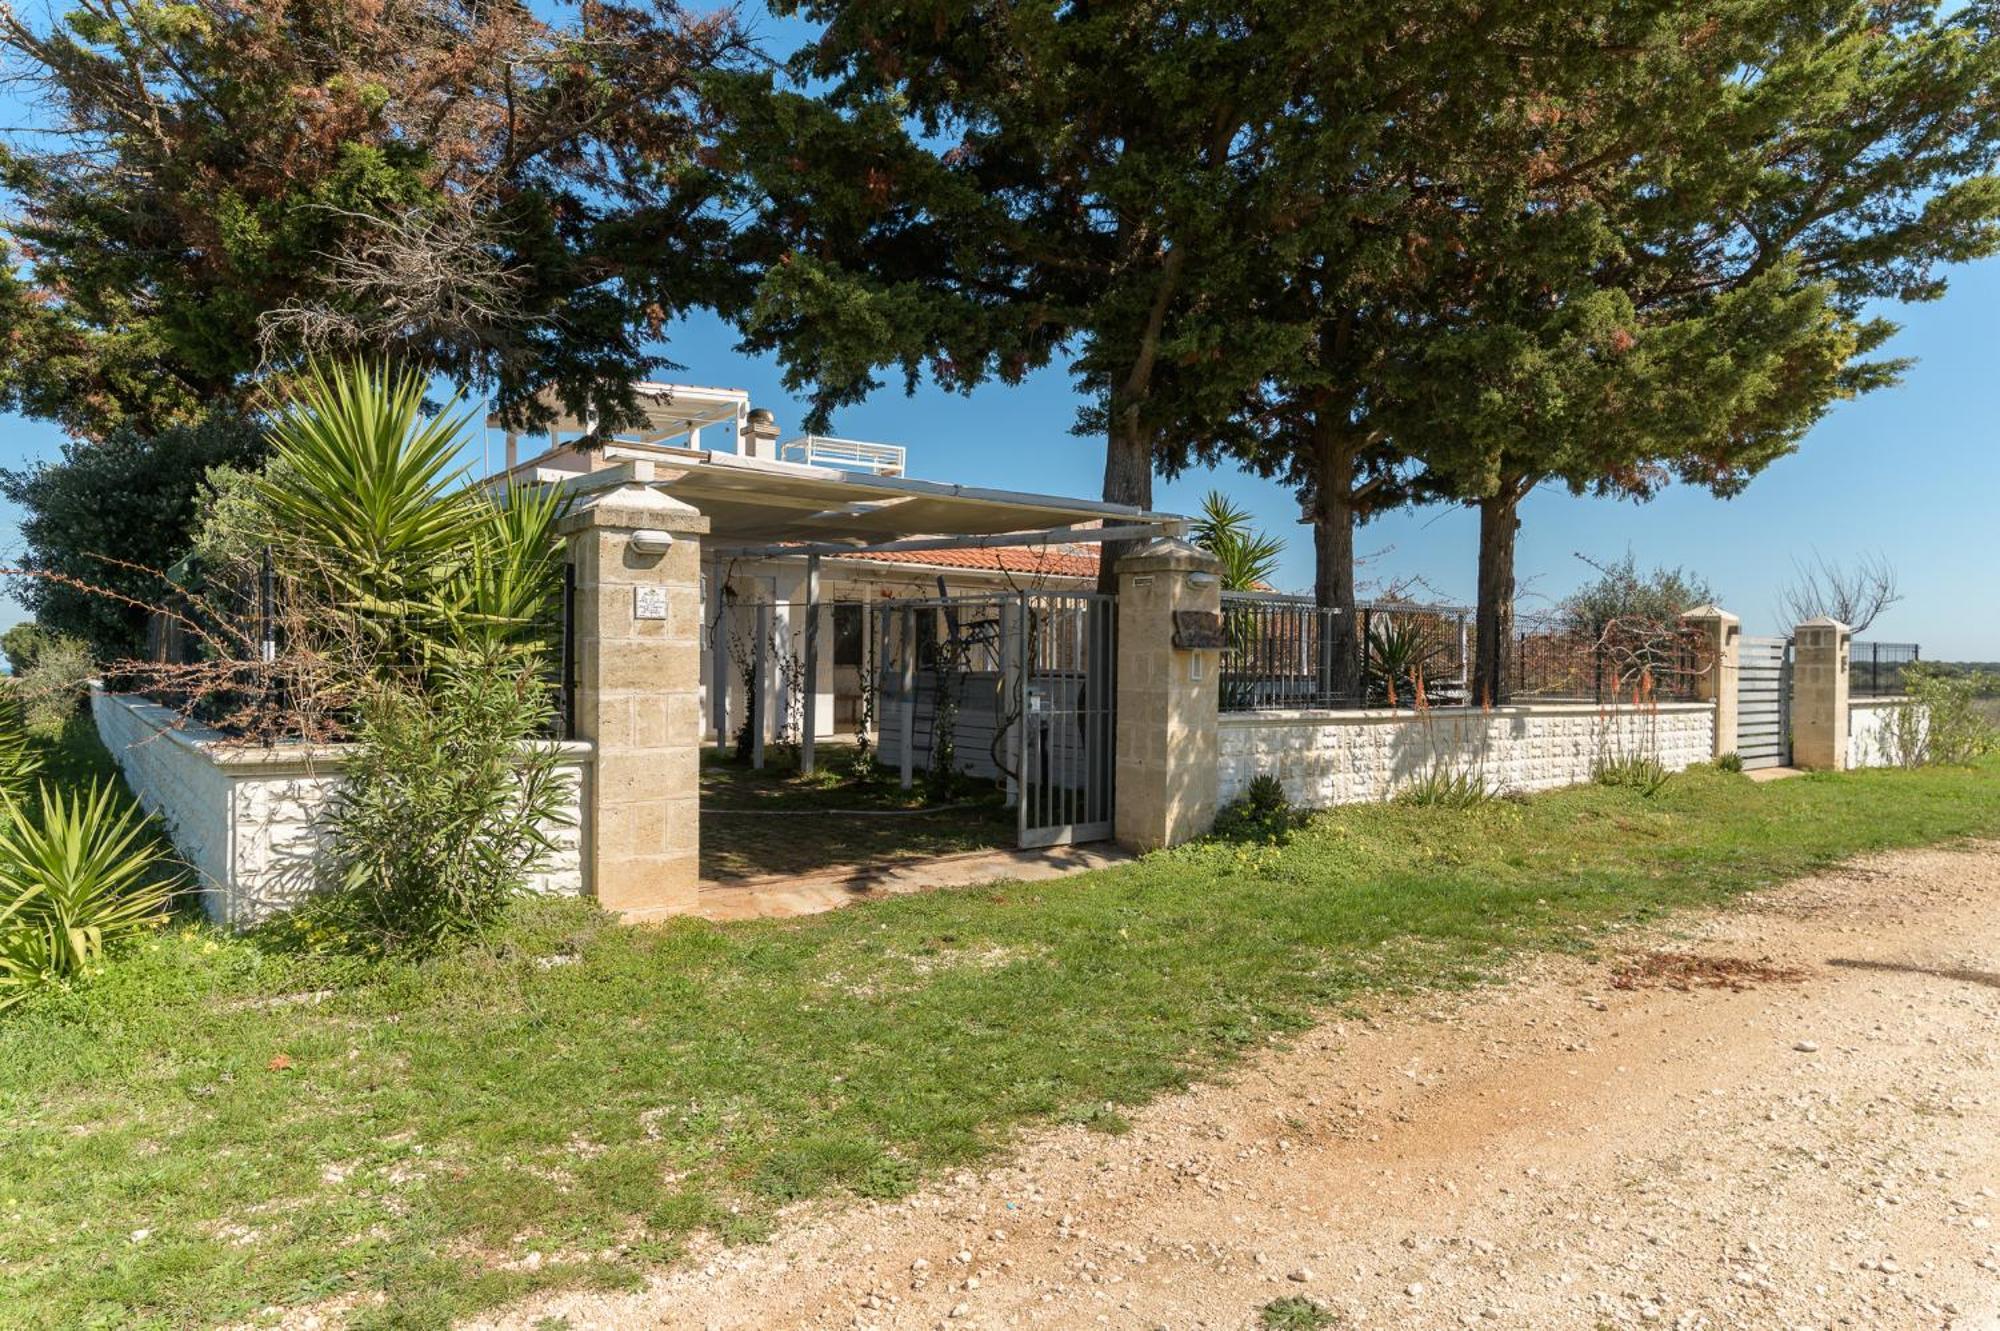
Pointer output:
252, 822
1870, 722
1325, 758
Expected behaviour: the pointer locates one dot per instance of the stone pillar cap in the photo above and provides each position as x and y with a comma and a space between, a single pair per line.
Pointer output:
1824, 622
633, 507
1169, 552
1712, 612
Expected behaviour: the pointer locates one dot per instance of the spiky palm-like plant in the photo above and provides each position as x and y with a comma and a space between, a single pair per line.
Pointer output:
1249, 557
370, 495
77, 874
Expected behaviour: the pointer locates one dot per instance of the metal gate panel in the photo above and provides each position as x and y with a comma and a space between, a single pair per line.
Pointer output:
1062, 665
1764, 702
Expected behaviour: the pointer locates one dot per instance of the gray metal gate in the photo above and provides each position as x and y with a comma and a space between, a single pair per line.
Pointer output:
1764, 702
1014, 687
1064, 662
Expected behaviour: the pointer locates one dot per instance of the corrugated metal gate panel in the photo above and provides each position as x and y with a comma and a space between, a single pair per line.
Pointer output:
1763, 702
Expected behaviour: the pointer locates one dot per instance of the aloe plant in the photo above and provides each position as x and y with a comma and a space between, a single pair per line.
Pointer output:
77, 875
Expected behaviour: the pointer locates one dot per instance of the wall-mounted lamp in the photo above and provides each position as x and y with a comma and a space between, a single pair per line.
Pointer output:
1201, 579
650, 541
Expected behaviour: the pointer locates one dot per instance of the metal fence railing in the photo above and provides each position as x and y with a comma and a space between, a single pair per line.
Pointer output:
1875, 669
1625, 661
1285, 652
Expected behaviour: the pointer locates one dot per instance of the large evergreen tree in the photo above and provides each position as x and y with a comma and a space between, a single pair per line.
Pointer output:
972, 189
1609, 246
1682, 274
209, 189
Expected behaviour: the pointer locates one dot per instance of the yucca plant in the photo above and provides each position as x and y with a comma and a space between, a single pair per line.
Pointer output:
1249, 557
502, 600
77, 875
370, 494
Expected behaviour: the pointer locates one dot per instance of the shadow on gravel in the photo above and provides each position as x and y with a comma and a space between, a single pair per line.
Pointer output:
1965, 973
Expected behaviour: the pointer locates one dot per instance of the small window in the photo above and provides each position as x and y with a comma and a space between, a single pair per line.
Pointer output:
848, 633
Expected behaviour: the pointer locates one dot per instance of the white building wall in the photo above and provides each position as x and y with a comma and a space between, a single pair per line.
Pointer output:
1325, 758
252, 823
1870, 722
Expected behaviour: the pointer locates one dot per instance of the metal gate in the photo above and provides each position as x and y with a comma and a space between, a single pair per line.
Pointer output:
1764, 702
1065, 660
1016, 688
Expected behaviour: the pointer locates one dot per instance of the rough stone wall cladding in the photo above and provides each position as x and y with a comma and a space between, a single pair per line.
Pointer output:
1327, 758
254, 830
1868, 725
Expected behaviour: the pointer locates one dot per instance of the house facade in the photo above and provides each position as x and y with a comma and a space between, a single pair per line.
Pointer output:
732, 464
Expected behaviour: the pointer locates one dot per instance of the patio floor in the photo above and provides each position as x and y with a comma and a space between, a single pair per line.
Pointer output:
776, 825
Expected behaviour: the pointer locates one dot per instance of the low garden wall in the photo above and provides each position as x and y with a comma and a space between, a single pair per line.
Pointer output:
1347, 757
252, 821
1870, 727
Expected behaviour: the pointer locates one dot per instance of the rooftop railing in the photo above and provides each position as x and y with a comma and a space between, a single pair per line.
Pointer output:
820, 450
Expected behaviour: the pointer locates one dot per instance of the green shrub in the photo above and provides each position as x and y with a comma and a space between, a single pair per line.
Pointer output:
1944, 722
78, 875
20, 757
114, 513
1729, 762
1261, 813
51, 689
445, 808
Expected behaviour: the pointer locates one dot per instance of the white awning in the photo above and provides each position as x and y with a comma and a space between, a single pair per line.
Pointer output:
761, 501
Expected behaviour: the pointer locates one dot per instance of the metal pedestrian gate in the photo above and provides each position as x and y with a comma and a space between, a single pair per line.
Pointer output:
1764, 702
1066, 662
1016, 688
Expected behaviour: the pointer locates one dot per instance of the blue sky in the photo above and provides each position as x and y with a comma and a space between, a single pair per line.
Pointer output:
1912, 474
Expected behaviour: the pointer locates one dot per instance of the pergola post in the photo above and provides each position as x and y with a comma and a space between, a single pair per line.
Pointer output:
909, 690
811, 720
760, 658
637, 560
720, 667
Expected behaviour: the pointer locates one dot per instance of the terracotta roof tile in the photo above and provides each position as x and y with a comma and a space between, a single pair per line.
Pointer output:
1059, 561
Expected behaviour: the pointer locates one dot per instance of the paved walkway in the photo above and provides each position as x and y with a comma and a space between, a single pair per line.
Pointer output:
808, 894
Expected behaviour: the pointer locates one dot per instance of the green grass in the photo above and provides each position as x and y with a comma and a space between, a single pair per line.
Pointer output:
279, 1130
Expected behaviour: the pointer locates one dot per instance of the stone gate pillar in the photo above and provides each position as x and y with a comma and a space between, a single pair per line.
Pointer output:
1724, 633
1169, 605
1819, 694
637, 555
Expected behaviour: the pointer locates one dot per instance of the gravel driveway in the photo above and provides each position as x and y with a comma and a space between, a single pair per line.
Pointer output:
1784, 1116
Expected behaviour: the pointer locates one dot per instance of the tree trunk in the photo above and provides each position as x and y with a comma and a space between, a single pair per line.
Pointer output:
1128, 479
1333, 564
1493, 636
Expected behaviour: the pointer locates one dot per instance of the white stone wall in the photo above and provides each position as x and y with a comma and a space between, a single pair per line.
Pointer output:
1325, 758
252, 822
1869, 723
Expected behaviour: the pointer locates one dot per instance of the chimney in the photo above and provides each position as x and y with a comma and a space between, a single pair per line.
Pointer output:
759, 438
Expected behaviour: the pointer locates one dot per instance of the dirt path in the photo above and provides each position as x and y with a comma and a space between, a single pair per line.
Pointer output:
1817, 1152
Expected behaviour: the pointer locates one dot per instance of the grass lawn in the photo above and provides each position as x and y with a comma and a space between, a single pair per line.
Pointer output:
215, 1127
779, 822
